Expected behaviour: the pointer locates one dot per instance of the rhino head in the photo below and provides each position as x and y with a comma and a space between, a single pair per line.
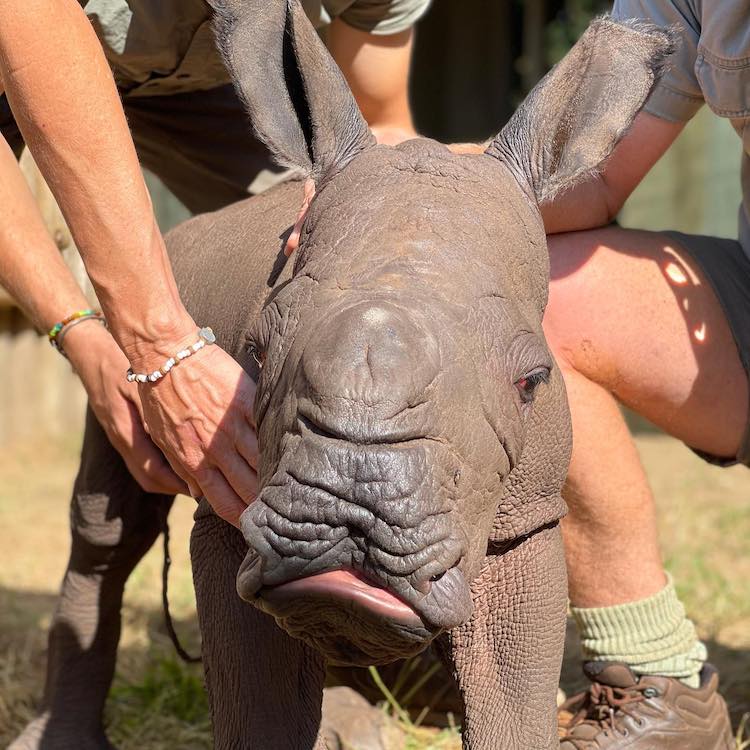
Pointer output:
409, 411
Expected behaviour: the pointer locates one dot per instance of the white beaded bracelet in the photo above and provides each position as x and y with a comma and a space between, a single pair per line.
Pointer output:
206, 337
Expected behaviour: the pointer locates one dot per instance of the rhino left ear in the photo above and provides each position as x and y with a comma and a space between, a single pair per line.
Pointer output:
575, 116
298, 100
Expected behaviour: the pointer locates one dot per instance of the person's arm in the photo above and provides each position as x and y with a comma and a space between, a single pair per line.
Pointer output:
66, 104
597, 201
33, 271
64, 99
376, 68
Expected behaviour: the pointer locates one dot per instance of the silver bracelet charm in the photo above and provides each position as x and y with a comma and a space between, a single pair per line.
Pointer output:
206, 337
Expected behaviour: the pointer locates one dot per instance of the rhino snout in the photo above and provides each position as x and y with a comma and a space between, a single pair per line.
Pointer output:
375, 354
357, 549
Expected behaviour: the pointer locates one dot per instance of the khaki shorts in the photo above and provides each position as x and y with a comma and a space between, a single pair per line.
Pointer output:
200, 144
727, 268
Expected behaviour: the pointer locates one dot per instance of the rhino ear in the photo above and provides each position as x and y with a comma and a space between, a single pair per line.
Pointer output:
298, 100
571, 121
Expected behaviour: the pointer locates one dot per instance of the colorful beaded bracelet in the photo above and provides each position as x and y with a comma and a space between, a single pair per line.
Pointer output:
80, 315
206, 337
59, 326
59, 342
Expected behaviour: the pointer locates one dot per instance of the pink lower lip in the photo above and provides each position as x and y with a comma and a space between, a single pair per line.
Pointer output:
348, 586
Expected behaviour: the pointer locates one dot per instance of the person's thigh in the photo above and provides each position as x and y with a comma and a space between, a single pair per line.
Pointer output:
201, 146
635, 312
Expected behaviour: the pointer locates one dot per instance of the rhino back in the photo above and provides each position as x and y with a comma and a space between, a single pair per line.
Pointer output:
227, 262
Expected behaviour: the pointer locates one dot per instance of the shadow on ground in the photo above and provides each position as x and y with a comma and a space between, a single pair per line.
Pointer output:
157, 702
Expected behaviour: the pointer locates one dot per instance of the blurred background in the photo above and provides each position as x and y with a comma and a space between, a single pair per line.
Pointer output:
474, 61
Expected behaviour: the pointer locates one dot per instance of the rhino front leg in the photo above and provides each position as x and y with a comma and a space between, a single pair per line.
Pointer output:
265, 688
113, 524
506, 659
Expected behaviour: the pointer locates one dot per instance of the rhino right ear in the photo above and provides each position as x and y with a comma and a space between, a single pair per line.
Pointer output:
299, 102
575, 116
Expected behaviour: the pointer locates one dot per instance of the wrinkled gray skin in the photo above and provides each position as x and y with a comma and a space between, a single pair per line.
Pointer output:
395, 441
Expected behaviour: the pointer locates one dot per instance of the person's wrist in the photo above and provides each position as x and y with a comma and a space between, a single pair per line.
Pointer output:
145, 313
86, 343
153, 341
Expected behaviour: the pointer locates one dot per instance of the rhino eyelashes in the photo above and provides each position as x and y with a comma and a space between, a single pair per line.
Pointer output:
255, 352
528, 384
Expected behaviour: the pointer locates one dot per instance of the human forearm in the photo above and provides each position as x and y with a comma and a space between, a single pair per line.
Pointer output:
33, 271
66, 104
586, 206
377, 70
597, 200
31, 268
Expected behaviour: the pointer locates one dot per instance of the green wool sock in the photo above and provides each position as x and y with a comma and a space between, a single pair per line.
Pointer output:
652, 636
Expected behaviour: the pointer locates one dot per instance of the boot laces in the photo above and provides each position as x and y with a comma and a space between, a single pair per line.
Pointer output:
603, 707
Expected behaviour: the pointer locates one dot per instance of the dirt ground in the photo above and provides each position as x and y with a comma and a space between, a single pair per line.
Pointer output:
158, 703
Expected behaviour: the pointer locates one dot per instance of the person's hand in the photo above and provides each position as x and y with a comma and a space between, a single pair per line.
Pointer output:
292, 242
200, 415
101, 366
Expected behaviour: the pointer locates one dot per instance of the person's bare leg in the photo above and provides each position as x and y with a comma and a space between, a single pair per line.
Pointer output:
631, 318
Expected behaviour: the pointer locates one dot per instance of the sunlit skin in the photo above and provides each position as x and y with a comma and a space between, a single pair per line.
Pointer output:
631, 319
681, 275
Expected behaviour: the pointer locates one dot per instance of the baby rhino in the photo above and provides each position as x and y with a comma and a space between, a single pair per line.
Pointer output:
413, 427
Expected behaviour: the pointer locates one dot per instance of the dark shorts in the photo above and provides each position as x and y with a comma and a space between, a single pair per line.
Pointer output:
200, 145
727, 268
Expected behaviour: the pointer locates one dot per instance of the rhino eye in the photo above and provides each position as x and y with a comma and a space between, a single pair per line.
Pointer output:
527, 385
256, 353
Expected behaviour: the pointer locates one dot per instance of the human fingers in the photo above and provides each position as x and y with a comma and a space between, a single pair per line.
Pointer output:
144, 460
292, 242
222, 498
247, 447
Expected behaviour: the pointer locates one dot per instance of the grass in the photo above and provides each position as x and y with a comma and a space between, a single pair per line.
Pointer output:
159, 703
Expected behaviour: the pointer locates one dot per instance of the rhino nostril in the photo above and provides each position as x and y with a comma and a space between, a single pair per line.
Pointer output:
250, 576
438, 576
316, 428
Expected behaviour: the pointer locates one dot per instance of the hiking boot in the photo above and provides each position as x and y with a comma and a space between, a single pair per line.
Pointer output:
622, 711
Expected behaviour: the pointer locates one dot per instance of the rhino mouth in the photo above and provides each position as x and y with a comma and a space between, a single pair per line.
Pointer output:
345, 617
346, 587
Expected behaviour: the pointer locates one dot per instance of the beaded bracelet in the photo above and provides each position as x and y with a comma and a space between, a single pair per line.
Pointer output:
206, 337
59, 345
77, 317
